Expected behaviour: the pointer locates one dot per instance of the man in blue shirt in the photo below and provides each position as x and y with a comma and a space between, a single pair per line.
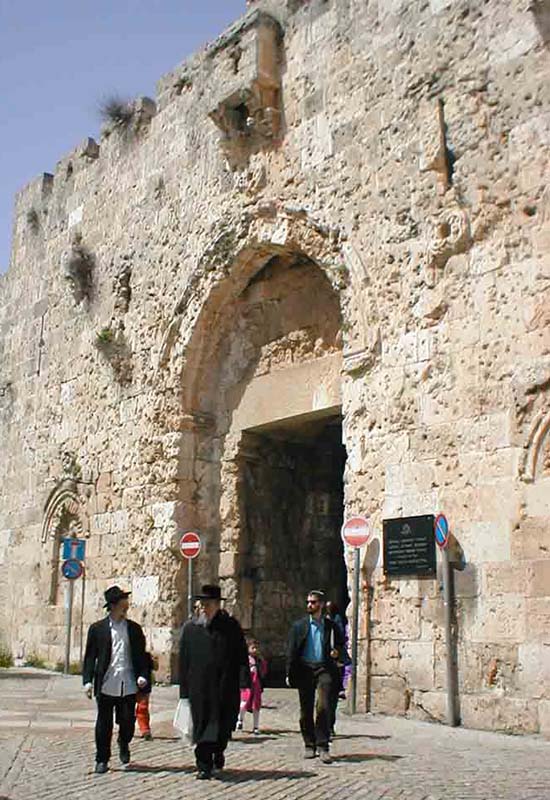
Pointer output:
314, 646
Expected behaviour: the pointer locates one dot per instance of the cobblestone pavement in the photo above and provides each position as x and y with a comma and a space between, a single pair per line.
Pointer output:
46, 753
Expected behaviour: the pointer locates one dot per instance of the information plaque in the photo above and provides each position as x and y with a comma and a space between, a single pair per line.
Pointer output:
409, 546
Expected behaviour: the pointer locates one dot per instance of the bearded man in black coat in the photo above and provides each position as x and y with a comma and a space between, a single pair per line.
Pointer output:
213, 667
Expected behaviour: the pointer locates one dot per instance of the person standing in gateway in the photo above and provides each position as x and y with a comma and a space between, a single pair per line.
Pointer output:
114, 669
314, 646
213, 667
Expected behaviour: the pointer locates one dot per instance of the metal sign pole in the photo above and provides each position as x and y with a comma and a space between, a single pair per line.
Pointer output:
189, 588
355, 628
69, 619
448, 596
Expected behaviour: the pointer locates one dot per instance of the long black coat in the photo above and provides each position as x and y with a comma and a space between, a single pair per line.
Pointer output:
297, 638
97, 656
213, 667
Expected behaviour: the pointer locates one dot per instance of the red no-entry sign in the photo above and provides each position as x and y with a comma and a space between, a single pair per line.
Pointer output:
190, 544
356, 531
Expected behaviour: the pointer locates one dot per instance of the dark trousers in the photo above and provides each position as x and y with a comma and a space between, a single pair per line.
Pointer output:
337, 686
210, 754
315, 732
124, 709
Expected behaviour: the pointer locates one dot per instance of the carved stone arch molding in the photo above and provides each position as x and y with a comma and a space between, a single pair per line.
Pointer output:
62, 512
238, 250
536, 459
64, 515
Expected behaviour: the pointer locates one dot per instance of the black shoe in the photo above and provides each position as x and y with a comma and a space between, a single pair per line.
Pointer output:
219, 761
147, 737
124, 753
309, 752
101, 768
204, 775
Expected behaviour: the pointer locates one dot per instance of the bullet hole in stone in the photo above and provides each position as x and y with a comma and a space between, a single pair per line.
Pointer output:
529, 211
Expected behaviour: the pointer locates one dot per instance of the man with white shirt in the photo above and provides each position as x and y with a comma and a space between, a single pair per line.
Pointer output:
114, 668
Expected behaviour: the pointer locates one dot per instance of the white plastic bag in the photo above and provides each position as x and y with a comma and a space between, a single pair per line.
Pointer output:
183, 721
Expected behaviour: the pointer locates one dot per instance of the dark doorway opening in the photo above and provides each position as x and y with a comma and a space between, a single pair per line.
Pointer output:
292, 499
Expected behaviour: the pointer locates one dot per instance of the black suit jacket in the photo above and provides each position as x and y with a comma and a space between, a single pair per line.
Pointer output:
98, 652
297, 640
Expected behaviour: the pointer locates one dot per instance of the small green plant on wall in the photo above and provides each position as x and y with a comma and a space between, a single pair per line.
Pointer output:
6, 659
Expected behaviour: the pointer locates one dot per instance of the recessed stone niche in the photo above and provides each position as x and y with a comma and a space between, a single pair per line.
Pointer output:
246, 83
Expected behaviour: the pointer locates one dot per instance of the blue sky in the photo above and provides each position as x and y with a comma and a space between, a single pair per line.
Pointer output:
59, 58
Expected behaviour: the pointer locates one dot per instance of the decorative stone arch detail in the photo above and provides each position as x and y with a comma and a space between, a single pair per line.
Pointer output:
63, 516
62, 512
240, 250
539, 439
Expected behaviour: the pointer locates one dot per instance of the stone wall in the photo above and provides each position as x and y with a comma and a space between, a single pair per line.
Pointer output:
402, 147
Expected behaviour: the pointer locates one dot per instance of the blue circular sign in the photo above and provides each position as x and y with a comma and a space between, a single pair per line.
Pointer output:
441, 530
71, 569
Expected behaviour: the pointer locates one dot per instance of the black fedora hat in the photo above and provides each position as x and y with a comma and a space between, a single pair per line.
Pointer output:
113, 595
209, 592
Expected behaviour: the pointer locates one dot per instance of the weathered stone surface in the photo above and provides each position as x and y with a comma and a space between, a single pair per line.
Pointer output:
323, 229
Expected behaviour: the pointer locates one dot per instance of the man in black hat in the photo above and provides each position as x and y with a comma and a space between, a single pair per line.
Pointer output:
114, 668
213, 667
315, 645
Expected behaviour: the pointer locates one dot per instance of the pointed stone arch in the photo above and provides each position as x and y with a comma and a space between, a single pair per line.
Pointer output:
63, 516
538, 441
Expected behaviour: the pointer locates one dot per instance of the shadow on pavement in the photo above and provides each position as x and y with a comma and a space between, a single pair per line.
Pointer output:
357, 758
157, 738
27, 676
152, 769
255, 739
342, 736
243, 775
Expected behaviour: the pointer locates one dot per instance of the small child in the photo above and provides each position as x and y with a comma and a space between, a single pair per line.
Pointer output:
142, 699
251, 699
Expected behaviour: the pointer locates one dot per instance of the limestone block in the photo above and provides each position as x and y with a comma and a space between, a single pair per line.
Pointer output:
532, 539
228, 564
534, 670
537, 498
101, 524
163, 514
544, 718
395, 619
119, 521
467, 581
488, 712
437, 6
161, 640
538, 620
504, 578
416, 664
428, 706
384, 657
145, 590
485, 541
499, 619
518, 39
482, 666
388, 695
539, 578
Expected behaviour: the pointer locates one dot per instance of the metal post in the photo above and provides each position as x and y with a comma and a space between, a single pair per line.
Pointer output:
82, 614
355, 629
189, 587
448, 597
69, 619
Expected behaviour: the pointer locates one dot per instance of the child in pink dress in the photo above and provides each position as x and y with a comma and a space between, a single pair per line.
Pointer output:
251, 699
